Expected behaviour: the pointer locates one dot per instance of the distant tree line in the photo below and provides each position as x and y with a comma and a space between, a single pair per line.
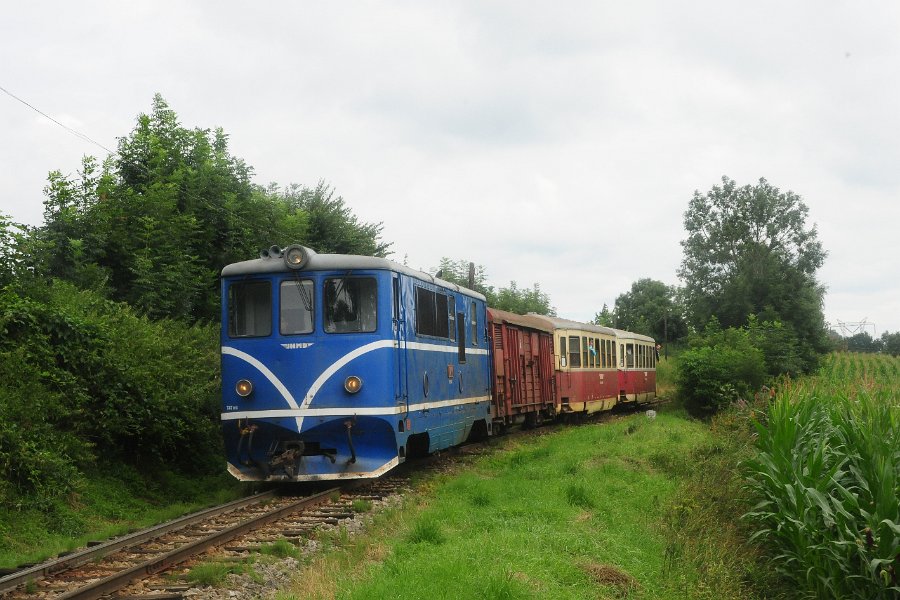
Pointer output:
888, 343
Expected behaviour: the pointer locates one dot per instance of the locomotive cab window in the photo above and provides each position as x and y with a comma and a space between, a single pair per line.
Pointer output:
250, 309
296, 302
350, 304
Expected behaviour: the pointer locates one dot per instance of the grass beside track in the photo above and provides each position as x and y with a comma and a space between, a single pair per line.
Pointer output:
582, 512
106, 506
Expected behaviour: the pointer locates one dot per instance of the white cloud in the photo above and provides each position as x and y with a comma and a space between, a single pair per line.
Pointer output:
470, 128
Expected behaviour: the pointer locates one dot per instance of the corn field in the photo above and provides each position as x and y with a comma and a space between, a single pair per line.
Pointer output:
827, 479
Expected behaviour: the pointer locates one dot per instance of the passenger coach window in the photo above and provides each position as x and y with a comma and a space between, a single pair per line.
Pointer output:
562, 351
350, 305
250, 309
629, 356
574, 351
296, 307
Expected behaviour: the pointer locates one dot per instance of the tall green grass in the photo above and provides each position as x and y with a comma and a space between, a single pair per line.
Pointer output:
827, 480
577, 513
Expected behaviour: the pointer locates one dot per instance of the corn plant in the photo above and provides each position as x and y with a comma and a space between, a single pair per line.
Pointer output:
827, 482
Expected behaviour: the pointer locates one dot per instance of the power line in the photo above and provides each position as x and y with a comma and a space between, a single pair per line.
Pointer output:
67, 128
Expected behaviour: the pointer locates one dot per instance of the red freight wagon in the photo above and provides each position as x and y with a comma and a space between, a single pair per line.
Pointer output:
637, 367
523, 388
586, 379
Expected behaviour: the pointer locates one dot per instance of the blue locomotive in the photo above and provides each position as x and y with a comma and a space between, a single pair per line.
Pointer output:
338, 366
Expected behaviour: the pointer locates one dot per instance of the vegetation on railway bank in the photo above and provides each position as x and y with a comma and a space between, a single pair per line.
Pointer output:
603, 510
106, 418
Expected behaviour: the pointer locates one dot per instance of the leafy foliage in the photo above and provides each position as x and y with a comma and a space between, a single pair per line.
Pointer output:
13, 262
721, 367
512, 299
748, 251
154, 226
890, 343
650, 308
84, 378
862, 342
605, 317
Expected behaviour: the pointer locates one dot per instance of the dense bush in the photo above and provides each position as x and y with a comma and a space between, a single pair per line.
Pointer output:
723, 365
85, 379
720, 367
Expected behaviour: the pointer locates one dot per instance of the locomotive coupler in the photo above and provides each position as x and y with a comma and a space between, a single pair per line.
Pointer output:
289, 458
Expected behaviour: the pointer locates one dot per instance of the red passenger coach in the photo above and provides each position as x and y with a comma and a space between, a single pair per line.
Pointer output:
586, 379
522, 369
637, 367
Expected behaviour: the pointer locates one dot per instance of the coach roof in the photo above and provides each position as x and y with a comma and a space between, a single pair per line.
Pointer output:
558, 323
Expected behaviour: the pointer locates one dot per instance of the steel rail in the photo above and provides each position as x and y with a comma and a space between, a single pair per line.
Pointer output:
87, 555
117, 581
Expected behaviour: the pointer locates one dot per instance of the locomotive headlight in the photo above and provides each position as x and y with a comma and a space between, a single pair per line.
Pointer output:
295, 257
353, 384
243, 388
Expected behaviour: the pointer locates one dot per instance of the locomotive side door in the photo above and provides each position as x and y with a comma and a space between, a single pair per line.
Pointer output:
400, 342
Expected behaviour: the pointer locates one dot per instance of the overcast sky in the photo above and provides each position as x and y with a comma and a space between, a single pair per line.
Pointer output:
552, 142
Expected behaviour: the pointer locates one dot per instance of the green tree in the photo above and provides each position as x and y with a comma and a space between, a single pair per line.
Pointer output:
890, 343
512, 298
749, 250
13, 259
650, 308
331, 225
154, 225
457, 271
863, 342
523, 301
605, 317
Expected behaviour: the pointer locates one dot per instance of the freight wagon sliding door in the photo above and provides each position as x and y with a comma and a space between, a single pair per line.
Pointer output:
546, 370
513, 369
530, 373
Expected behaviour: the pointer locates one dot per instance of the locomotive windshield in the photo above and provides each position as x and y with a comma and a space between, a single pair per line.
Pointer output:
250, 309
296, 307
350, 304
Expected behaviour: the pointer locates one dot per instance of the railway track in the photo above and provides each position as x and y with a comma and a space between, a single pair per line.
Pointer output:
111, 569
